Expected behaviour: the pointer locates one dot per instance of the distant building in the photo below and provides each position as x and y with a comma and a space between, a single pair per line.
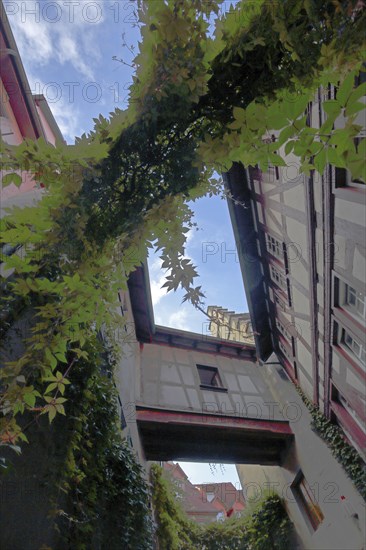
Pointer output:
193, 501
229, 325
230, 496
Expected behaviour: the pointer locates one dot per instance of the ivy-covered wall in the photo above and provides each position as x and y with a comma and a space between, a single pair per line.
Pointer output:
77, 483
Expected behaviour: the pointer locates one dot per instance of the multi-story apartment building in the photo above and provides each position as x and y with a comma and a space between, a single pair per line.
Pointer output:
306, 287
302, 252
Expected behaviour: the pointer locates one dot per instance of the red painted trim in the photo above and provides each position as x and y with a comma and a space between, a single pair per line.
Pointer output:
350, 395
355, 320
341, 351
346, 420
209, 420
289, 369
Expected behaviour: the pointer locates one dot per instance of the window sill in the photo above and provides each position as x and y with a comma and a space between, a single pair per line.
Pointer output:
213, 388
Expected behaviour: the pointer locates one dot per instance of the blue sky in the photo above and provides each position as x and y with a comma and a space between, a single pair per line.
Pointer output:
67, 48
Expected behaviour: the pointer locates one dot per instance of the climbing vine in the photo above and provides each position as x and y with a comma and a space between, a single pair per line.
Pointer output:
341, 450
100, 495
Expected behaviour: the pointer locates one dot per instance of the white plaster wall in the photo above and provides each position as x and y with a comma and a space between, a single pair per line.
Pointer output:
297, 232
169, 378
127, 377
351, 211
340, 529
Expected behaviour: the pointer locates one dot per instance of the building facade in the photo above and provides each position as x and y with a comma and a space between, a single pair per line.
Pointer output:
309, 235
301, 244
22, 114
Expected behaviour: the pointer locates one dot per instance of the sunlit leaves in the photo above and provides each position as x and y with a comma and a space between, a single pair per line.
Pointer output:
58, 382
54, 406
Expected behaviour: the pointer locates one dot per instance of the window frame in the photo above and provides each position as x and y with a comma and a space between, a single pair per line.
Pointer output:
275, 247
359, 298
350, 346
307, 501
216, 376
278, 277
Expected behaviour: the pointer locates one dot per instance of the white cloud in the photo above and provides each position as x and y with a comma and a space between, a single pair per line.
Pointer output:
60, 32
67, 115
68, 120
157, 279
180, 319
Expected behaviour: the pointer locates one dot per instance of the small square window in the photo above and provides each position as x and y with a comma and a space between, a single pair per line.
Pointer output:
274, 246
278, 277
356, 301
210, 377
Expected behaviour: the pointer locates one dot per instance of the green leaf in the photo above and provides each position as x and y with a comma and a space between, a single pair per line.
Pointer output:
335, 159
239, 114
51, 387
359, 92
51, 413
277, 121
29, 399
61, 357
332, 107
285, 134
345, 89
320, 161
51, 359
296, 105
12, 178
353, 108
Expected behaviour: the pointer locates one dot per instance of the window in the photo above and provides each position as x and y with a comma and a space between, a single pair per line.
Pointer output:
278, 277
210, 378
284, 350
307, 501
274, 246
342, 401
357, 348
356, 301
283, 330
343, 178
281, 304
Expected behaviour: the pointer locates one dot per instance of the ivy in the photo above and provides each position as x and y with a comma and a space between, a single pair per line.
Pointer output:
333, 436
107, 495
174, 530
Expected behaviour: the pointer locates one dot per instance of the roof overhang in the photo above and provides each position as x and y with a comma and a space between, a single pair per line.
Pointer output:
241, 214
16, 83
41, 102
148, 332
